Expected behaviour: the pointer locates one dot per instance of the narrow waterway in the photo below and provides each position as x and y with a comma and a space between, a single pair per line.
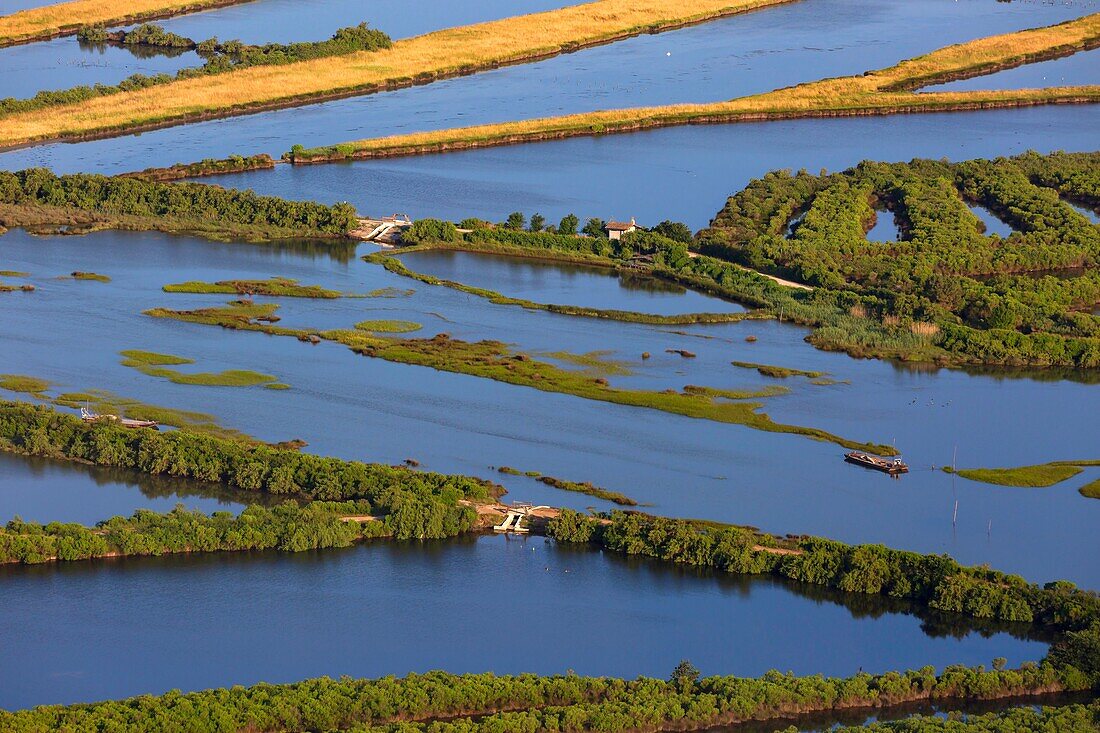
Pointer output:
1079, 69
147, 625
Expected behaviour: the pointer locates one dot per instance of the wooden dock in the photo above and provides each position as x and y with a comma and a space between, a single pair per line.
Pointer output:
385, 230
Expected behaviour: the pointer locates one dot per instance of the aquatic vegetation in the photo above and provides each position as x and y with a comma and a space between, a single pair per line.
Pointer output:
1091, 490
105, 402
78, 275
772, 390
882, 91
13, 273
23, 383
1036, 476
494, 360
390, 292
37, 196
778, 372
64, 18
276, 385
587, 487
421, 59
398, 267
594, 361
274, 286
935, 581
1077, 717
388, 326
483, 703
153, 364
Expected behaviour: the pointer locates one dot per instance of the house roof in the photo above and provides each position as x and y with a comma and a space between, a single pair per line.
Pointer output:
621, 226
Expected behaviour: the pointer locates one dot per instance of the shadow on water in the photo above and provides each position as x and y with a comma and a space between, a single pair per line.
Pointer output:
138, 51
863, 716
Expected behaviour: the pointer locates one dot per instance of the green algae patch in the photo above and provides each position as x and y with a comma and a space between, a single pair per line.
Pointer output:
153, 364
274, 286
494, 360
777, 372
390, 292
13, 273
737, 394
107, 403
388, 326
590, 489
93, 276
1041, 475
23, 383
276, 385
1091, 490
136, 357
593, 361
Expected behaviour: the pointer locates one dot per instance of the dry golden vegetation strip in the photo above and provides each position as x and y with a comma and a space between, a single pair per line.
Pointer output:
874, 93
50, 21
420, 59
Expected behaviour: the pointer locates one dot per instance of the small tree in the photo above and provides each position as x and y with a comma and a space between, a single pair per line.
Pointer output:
684, 675
594, 228
999, 663
675, 230
538, 221
515, 220
568, 224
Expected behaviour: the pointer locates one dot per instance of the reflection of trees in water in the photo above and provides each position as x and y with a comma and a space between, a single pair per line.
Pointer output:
150, 486
862, 716
1046, 374
644, 283
935, 624
139, 51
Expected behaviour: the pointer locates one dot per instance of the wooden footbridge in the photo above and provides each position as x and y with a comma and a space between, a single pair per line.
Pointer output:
518, 512
385, 231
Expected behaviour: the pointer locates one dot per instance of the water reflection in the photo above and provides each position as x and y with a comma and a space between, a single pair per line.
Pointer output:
392, 608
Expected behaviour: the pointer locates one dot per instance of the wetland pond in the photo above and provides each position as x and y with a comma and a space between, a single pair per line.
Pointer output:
362, 408
120, 628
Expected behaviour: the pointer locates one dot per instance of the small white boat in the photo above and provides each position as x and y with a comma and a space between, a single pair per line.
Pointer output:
88, 416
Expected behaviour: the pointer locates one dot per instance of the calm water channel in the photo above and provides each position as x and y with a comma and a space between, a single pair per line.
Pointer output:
148, 625
1080, 68
745, 54
357, 407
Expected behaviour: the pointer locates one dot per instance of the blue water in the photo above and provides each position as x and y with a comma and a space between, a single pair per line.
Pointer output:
1080, 68
993, 224
885, 228
110, 629
745, 54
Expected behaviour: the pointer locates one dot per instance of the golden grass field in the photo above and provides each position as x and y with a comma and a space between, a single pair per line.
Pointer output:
446, 52
55, 20
870, 93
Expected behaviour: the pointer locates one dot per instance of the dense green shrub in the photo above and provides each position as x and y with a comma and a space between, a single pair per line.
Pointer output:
438, 702
423, 504
933, 580
430, 230
136, 197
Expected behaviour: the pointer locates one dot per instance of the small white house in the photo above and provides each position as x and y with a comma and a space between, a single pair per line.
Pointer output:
616, 229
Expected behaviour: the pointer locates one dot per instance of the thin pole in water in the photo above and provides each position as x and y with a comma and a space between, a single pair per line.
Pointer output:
955, 516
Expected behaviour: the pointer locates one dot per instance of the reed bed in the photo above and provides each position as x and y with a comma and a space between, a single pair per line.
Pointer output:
420, 59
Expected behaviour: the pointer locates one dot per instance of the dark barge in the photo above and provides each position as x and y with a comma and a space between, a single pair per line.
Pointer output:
892, 467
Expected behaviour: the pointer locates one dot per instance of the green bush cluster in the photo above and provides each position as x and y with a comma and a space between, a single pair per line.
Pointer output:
220, 58
438, 702
416, 504
193, 201
430, 230
1066, 719
936, 581
1019, 300
284, 527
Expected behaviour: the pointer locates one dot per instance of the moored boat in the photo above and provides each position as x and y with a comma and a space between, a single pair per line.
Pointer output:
88, 416
892, 466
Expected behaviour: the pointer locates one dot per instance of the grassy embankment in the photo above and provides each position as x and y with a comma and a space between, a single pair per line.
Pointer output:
153, 364
495, 360
1041, 475
273, 286
422, 59
391, 262
50, 21
875, 93
206, 167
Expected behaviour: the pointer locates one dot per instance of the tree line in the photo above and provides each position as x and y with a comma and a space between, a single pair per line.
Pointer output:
191, 201
438, 702
413, 503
